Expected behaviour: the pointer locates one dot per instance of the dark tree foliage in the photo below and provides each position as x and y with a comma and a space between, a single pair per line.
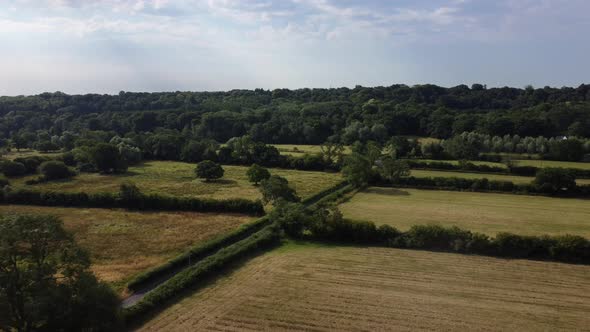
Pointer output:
107, 158
555, 180
52, 170
46, 282
209, 170
276, 188
256, 173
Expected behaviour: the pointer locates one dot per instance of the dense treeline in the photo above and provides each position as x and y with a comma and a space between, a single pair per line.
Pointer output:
311, 116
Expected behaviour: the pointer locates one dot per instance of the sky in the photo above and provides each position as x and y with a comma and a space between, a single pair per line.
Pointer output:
92, 46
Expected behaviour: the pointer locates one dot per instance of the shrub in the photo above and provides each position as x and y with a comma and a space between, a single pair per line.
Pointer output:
53, 170
277, 188
12, 168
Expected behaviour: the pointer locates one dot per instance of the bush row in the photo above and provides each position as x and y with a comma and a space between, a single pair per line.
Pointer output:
321, 195
462, 166
208, 267
142, 202
471, 167
565, 248
481, 185
195, 254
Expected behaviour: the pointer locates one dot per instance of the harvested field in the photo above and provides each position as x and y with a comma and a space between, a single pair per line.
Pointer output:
123, 243
309, 287
178, 178
482, 212
419, 173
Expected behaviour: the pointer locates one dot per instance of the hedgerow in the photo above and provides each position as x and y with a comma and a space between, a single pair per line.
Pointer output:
195, 254
196, 274
141, 202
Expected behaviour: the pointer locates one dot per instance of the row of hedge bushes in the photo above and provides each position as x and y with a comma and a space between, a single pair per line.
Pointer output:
471, 167
176, 264
321, 195
142, 202
196, 274
480, 185
565, 248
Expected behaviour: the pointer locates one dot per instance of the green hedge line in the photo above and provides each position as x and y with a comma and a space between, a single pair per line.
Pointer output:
479, 185
207, 267
565, 248
195, 254
142, 202
320, 195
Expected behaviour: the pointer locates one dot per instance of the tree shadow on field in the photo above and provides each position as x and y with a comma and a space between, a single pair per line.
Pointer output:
223, 182
387, 191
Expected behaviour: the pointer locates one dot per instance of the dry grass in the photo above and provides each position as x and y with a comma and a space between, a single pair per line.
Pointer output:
482, 212
313, 288
419, 173
28, 153
123, 244
177, 178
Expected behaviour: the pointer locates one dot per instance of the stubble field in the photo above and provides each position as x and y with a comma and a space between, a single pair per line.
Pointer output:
319, 288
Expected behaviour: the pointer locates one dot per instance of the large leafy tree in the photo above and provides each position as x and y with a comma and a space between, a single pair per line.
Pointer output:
45, 282
209, 170
357, 169
257, 173
107, 158
393, 169
276, 188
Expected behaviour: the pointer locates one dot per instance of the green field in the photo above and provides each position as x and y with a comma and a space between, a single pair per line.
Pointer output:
327, 288
298, 150
552, 163
482, 212
28, 153
177, 178
420, 173
123, 243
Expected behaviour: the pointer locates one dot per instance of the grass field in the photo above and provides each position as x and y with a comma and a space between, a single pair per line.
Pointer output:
28, 153
552, 163
298, 150
420, 173
320, 288
123, 244
177, 178
482, 212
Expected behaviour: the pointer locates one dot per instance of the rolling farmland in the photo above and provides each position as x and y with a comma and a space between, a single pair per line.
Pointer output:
324, 288
482, 212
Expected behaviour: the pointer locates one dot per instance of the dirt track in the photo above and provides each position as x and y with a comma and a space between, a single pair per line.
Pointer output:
335, 288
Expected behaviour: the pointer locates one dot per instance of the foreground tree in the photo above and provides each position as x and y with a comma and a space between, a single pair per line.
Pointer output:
209, 170
256, 173
277, 188
45, 280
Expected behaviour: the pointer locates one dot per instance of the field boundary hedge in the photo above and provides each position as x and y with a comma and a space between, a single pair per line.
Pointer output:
195, 254
141, 202
563, 248
477, 185
208, 267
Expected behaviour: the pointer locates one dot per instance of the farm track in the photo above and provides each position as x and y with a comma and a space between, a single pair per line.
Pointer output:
369, 289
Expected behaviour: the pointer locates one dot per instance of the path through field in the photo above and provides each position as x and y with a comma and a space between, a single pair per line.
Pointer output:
303, 287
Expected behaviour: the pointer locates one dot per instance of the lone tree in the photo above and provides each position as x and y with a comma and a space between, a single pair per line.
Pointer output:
107, 159
45, 280
209, 170
53, 170
555, 179
277, 188
256, 173
357, 169
392, 169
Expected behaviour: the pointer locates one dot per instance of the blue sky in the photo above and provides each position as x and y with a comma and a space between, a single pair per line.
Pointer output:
81, 46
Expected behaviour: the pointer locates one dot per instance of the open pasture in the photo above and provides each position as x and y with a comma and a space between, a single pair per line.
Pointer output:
298, 150
178, 179
420, 173
488, 213
123, 243
323, 288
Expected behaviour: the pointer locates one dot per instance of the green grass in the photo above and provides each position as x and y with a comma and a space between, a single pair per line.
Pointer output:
456, 162
482, 212
419, 173
552, 163
28, 153
177, 178
298, 150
